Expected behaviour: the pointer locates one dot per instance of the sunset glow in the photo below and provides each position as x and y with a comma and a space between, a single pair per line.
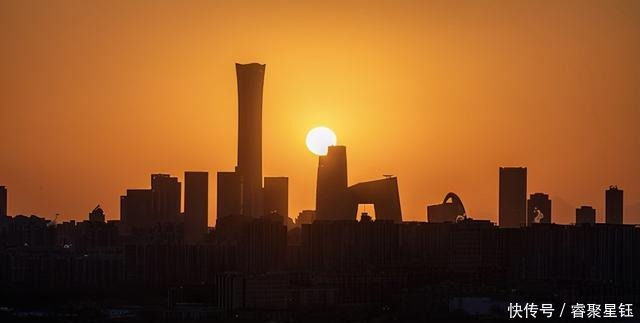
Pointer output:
97, 95
319, 139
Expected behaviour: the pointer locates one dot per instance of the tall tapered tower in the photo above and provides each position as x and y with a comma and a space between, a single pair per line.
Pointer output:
332, 200
250, 84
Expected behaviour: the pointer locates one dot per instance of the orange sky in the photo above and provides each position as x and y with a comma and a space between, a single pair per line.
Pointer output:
97, 95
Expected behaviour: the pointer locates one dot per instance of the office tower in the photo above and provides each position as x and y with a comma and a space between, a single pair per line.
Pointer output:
447, 211
585, 214
512, 210
332, 200
138, 209
96, 215
3, 201
276, 196
250, 82
166, 198
538, 208
613, 205
196, 205
229, 195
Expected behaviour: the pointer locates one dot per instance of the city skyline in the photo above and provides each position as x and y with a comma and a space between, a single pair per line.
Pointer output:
81, 135
319, 161
245, 192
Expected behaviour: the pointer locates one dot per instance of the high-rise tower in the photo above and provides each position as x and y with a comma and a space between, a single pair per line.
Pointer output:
196, 205
538, 208
613, 205
512, 210
332, 199
250, 84
167, 193
585, 214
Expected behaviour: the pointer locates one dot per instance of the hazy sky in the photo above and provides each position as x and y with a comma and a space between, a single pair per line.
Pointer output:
97, 95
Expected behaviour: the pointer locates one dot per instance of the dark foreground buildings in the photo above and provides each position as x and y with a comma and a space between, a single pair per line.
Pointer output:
254, 269
335, 266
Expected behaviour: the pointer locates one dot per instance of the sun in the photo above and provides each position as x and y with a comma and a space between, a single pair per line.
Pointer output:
319, 139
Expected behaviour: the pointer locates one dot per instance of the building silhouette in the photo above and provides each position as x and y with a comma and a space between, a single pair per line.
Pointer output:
265, 246
97, 215
335, 200
123, 213
512, 209
167, 193
538, 208
276, 196
382, 193
446, 211
250, 79
241, 192
3, 201
196, 205
253, 266
306, 217
138, 209
332, 199
614, 205
229, 195
585, 215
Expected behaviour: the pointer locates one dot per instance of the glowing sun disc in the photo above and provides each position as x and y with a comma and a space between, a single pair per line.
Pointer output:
319, 139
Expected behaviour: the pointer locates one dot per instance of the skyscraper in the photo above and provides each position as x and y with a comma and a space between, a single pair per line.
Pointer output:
538, 208
332, 200
512, 210
614, 205
585, 214
276, 195
3, 201
196, 205
229, 195
250, 79
166, 198
138, 209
